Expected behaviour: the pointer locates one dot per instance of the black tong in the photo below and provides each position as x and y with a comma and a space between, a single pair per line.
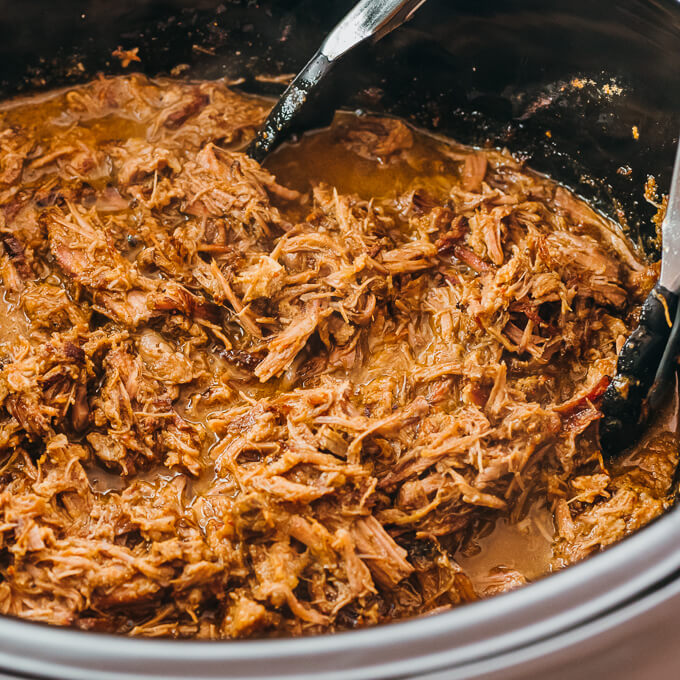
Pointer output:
644, 371
648, 360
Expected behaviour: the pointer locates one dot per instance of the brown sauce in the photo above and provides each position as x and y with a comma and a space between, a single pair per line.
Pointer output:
324, 157
524, 546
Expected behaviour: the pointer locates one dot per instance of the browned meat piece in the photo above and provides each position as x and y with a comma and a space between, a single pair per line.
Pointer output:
139, 160
474, 171
592, 394
126, 56
378, 138
117, 288
283, 348
610, 508
597, 274
110, 200
263, 279
452, 238
162, 361
411, 257
470, 259
589, 487
39, 387
244, 616
189, 106
499, 580
49, 307
80, 411
85, 252
488, 229
228, 184
386, 560
15, 249
16, 148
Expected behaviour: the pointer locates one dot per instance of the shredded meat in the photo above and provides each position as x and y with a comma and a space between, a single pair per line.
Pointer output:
237, 404
378, 138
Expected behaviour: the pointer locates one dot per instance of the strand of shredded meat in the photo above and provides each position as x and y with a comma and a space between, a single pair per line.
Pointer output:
232, 408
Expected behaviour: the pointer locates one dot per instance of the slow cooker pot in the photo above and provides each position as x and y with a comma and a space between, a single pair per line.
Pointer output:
589, 93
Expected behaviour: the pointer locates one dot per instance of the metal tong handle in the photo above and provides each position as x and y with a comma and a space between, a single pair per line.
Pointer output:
645, 362
367, 19
670, 231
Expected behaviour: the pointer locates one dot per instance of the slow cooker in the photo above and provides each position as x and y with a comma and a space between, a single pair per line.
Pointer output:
588, 92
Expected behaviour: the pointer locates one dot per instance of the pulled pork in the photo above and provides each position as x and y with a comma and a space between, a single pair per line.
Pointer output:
235, 405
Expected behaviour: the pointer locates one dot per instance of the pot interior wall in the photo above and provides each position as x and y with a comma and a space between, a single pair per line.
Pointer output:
566, 84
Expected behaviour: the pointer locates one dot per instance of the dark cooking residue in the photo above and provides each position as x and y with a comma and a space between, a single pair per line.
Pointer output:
239, 401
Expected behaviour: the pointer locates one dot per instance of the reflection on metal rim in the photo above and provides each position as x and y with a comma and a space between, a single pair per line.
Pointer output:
453, 639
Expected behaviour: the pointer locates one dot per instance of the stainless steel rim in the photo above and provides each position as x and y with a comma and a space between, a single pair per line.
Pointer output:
647, 622
455, 639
